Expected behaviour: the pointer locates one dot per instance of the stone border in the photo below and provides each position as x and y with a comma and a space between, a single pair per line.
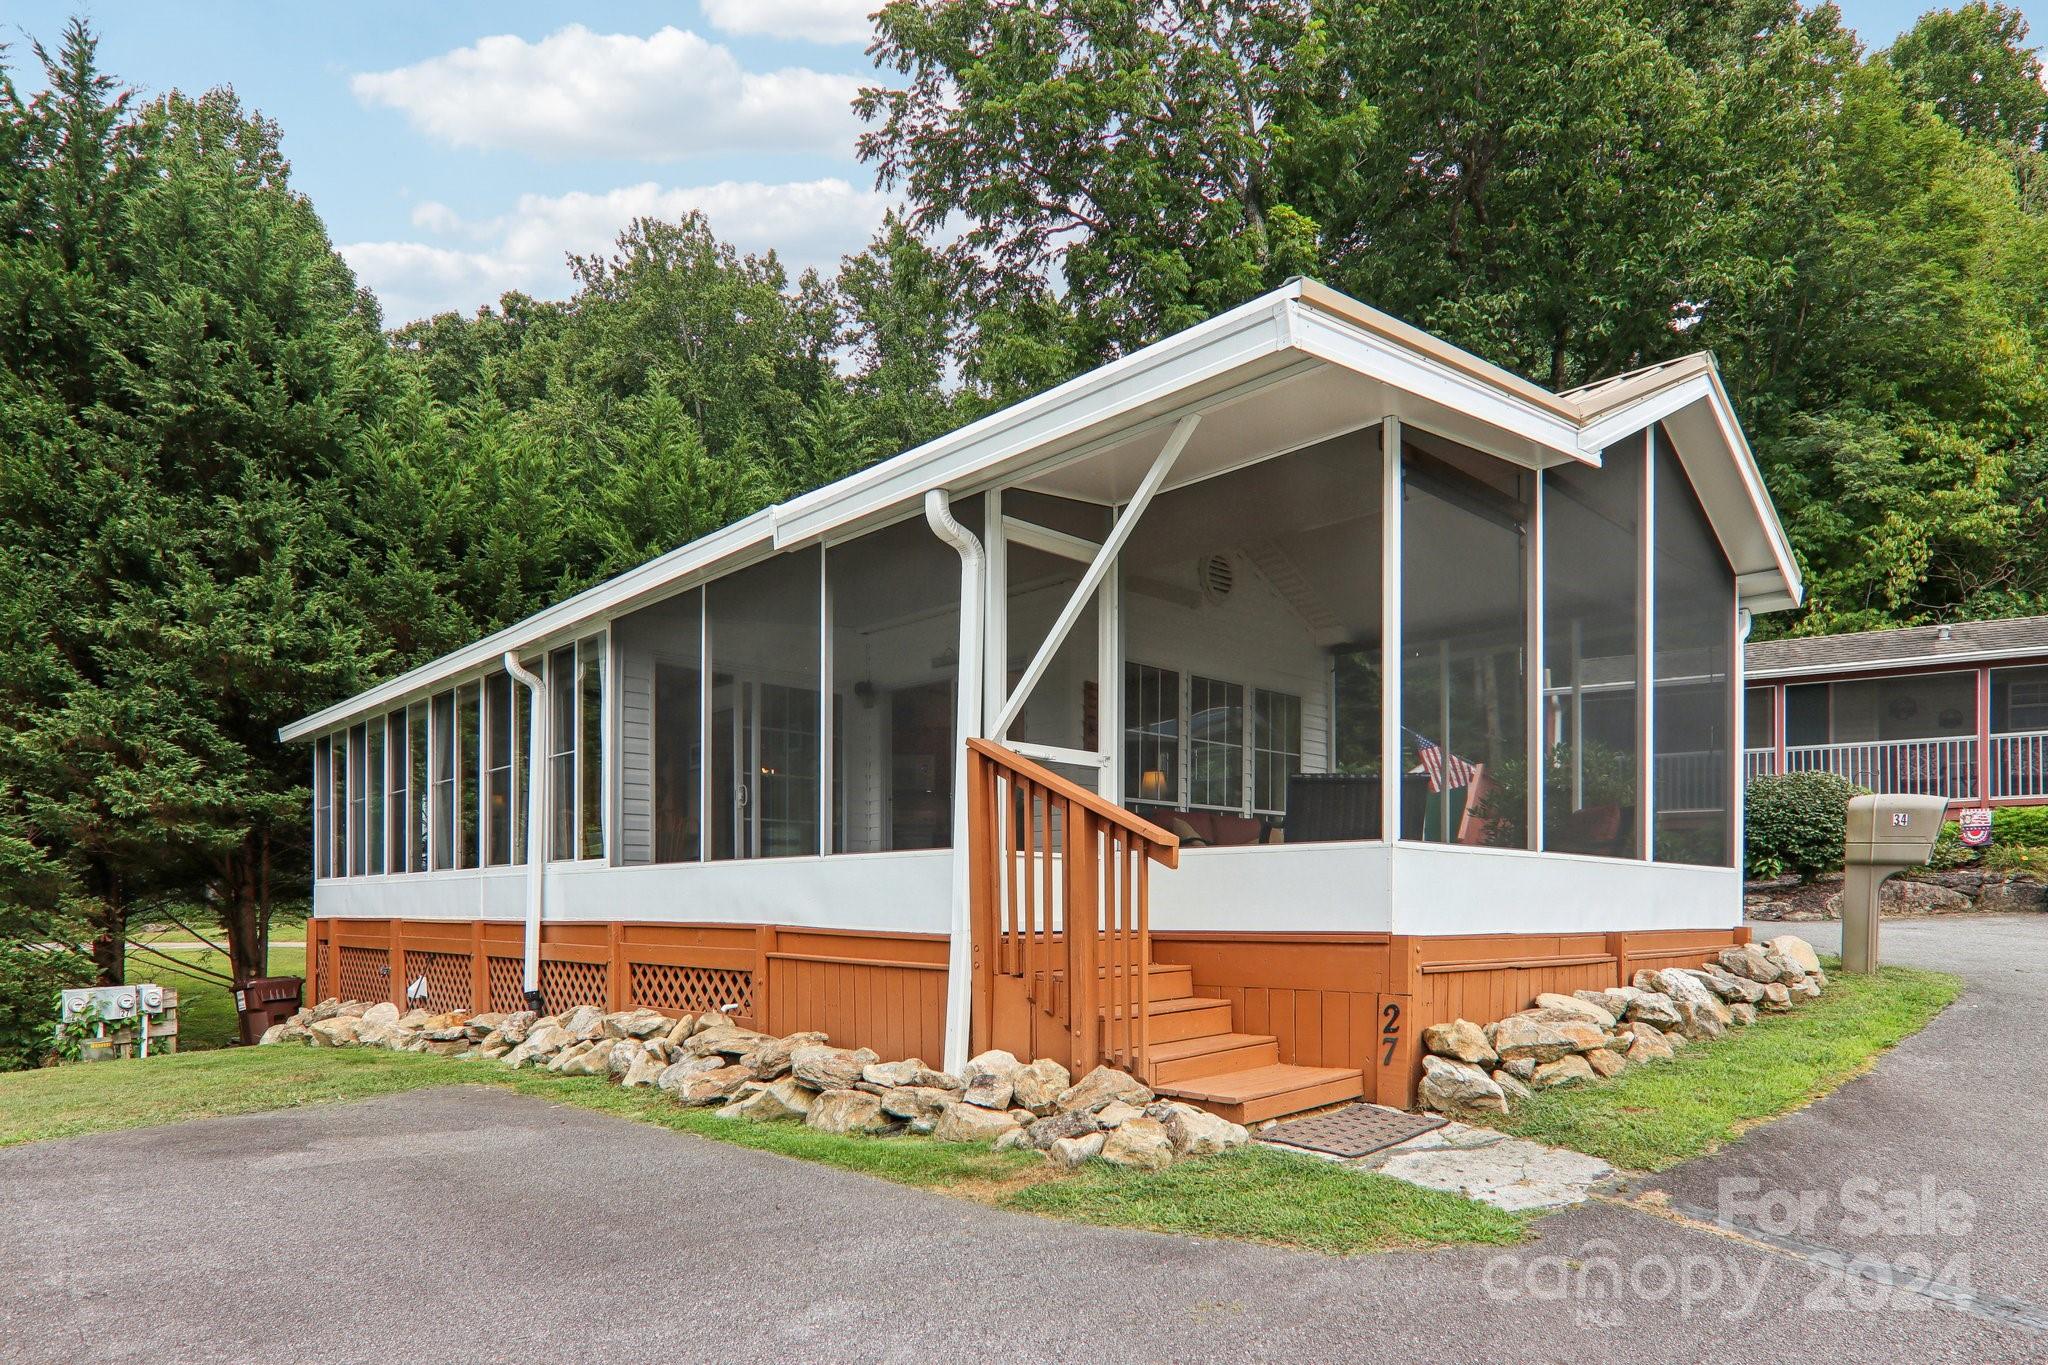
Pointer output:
706, 1059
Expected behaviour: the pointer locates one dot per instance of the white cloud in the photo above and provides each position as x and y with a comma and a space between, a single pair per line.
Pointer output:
807, 223
821, 21
577, 93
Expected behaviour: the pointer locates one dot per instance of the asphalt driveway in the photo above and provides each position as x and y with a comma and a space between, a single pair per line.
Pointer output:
471, 1224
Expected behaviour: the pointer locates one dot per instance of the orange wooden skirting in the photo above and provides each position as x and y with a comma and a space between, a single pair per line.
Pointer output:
1060, 904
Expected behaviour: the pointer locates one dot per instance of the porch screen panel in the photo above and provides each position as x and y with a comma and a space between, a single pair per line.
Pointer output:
398, 767
323, 807
468, 703
895, 614
1251, 613
525, 717
1694, 634
418, 784
766, 740
661, 731
2019, 701
443, 742
500, 802
337, 785
373, 789
1592, 756
1464, 635
1759, 723
358, 802
562, 753
590, 756
1062, 710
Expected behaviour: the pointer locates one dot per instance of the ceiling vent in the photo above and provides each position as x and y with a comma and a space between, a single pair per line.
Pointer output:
1218, 577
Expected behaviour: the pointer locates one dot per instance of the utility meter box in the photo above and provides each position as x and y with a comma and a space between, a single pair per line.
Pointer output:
1887, 833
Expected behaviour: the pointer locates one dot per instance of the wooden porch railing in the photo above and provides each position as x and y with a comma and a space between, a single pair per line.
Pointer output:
1060, 904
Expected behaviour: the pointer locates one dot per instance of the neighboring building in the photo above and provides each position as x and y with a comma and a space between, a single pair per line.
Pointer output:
1955, 710
861, 760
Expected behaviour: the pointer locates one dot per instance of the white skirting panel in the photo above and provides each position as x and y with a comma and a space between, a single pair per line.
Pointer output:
1439, 889
1300, 888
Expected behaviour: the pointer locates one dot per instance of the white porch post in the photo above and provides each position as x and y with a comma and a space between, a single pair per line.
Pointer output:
536, 820
1390, 628
967, 722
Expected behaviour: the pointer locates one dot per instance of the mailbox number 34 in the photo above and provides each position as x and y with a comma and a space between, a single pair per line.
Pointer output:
1901, 820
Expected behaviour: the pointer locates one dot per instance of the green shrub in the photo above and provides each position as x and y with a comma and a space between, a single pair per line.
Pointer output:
2020, 826
29, 981
1795, 822
1950, 851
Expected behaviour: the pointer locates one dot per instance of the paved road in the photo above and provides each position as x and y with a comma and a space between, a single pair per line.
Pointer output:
470, 1224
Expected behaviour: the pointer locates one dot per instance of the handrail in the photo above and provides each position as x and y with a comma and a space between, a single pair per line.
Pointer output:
1165, 844
1059, 910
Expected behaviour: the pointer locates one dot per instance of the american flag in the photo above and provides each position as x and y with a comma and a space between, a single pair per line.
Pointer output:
1454, 773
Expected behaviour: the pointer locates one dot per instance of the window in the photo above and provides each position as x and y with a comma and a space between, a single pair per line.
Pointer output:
373, 785
1464, 638
661, 731
1151, 735
500, 798
397, 805
894, 603
1592, 521
764, 718
323, 807
525, 714
1276, 748
562, 753
1759, 718
468, 698
418, 796
1215, 744
590, 745
442, 838
1693, 634
2019, 700
358, 804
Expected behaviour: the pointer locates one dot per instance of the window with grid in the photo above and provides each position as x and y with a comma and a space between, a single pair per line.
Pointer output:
398, 774
323, 807
468, 767
789, 770
1215, 743
443, 780
500, 809
358, 803
1151, 734
373, 787
1276, 748
562, 753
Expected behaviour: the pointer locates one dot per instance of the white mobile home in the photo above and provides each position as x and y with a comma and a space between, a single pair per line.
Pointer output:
1230, 712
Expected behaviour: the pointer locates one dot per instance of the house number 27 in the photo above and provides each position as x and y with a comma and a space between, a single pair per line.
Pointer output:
1390, 1031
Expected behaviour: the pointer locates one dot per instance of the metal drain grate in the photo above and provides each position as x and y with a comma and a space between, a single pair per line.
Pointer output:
1354, 1130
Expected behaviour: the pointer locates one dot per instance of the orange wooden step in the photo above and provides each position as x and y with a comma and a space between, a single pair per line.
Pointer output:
1190, 1016
1210, 1054
1170, 980
1267, 1092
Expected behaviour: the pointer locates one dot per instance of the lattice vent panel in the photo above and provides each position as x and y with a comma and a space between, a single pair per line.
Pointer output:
362, 973
691, 990
507, 977
447, 974
563, 984
324, 971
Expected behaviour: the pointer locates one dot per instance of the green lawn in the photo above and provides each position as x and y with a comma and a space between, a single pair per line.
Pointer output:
1252, 1195
206, 1011
1657, 1115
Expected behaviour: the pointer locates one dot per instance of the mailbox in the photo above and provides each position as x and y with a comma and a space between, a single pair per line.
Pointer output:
1887, 833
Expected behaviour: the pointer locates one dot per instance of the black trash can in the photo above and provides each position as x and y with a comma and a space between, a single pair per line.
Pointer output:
267, 1000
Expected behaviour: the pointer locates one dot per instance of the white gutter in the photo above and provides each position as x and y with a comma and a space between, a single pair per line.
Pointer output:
938, 514
536, 821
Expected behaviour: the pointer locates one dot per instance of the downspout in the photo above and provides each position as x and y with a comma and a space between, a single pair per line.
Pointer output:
536, 822
938, 514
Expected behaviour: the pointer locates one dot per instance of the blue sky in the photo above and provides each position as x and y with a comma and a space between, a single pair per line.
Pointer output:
458, 149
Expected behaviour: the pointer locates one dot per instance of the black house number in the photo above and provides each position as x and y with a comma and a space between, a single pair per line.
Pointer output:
1390, 1030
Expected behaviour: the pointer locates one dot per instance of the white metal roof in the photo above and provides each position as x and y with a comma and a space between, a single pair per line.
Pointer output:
1337, 362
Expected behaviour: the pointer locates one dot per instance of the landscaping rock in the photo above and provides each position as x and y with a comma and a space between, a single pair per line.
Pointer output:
962, 1122
1459, 1089
1116, 1112
1700, 1012
383, 1012
1461, 1040
1058, 1127
771, 1058
625, 1052
707, 1087
1563, 1071
1777, 998
890, 1075
1742, 1012
687, 1066
274, 1034
1615, 999
585, 1023
1141, 1144
1901, 896
989, 1078
1804, 990
336, 1031
1074, 1151
1649, 1045
1197, 1132
1512, 1089
640, 1023
1101, 1086
1521, 1068
594, 1060
645, 1070
679, 1032
849, 1111
825, 1068
1545, 1038
1733, 989
727, 1040
781, 1099
1795, 948
921, 1104
1598, 1013
514, 1027
1606, 1062
1655, 1008
1012, 1141
1750, 961
1039, 1085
